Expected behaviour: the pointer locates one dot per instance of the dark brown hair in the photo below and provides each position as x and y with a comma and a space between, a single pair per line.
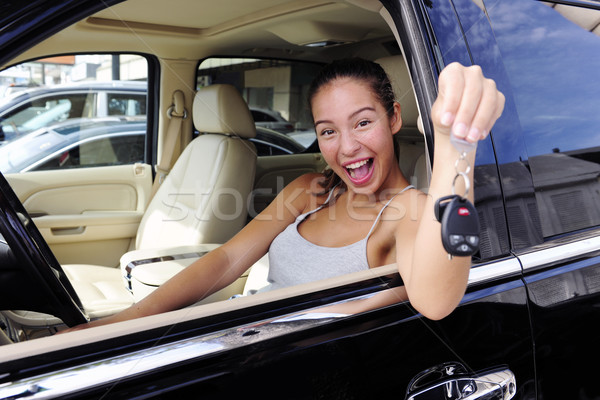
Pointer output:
360, 69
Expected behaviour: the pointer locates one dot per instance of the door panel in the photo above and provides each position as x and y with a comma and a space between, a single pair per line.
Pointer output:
565, 297
87, 215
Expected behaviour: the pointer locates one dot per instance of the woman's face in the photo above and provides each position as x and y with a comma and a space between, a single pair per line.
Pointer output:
355, 135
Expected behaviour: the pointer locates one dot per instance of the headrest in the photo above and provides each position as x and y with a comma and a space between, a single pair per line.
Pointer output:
395, 68
221, 109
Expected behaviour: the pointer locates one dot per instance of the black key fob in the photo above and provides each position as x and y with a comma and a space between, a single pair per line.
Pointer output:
460, 225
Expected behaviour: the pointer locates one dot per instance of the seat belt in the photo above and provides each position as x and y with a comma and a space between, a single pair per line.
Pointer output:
176, 113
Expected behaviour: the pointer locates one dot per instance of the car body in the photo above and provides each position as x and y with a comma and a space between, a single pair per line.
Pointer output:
271, 142
64, 145
524, 328
13, 88
31, 109
271, 119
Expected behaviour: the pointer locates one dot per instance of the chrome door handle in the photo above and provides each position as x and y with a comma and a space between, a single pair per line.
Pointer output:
451, 381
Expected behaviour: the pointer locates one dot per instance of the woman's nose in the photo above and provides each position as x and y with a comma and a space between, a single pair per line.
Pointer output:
348, 144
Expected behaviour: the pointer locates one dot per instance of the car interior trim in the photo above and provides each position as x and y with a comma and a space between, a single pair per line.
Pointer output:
131, 265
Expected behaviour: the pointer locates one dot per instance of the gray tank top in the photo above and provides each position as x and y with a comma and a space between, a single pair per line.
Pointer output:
294, 260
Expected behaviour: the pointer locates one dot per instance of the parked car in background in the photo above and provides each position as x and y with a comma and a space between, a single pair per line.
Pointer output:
95, 142
35, 108
271, 143
525, 327
7, 90
271, 119
77, 143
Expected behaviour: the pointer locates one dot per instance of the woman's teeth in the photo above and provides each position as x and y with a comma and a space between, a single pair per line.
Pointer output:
357, 164
354, 168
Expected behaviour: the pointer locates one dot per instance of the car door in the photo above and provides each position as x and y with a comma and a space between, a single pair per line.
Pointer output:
553, 205
88, 197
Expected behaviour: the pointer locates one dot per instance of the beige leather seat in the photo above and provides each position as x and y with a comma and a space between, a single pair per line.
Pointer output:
203, 200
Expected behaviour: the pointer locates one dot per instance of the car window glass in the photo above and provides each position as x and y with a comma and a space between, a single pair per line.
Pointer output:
275, 91
551, 52
50, 107
45, 110
126, 104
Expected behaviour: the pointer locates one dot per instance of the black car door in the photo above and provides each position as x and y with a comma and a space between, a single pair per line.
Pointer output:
551, 52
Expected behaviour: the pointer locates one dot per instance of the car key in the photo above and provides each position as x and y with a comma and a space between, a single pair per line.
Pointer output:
460, 225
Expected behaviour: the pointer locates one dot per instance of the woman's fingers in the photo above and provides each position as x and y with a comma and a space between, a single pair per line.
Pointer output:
489, 110
451, 84
468, 104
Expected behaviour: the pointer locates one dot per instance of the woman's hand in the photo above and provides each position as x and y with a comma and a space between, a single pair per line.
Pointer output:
468, 104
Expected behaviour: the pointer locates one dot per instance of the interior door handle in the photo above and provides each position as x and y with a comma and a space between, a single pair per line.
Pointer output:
452, 381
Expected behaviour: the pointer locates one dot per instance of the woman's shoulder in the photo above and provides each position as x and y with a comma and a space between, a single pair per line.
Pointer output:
311, 180
305, 192
309, 184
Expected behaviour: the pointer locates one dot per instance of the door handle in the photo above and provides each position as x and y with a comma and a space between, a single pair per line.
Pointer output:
452, 381
74, 230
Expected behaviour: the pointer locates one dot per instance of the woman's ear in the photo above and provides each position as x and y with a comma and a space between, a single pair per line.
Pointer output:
396, 119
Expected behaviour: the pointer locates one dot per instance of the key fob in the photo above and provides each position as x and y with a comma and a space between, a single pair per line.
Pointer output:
460, 225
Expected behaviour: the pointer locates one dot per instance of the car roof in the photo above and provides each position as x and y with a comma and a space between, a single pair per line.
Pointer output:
290, 29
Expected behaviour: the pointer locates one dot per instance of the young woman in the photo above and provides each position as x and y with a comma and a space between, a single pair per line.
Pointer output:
362, 213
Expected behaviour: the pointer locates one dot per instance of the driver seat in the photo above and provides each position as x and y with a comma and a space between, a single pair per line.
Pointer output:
217, 163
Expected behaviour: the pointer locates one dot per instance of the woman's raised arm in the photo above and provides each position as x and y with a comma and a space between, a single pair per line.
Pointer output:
467, 106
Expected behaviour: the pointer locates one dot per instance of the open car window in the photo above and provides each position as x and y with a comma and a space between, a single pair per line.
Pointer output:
274, 88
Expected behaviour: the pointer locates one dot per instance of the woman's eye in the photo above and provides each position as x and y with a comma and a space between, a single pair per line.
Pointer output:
363, 123
326, 132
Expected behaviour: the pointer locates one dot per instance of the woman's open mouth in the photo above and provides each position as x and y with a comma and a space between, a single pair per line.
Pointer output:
360, 171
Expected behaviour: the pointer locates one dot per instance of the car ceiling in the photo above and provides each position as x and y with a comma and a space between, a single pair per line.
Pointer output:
191, 30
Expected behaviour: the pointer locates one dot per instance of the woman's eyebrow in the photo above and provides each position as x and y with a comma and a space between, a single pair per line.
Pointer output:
322, 121
368, 108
